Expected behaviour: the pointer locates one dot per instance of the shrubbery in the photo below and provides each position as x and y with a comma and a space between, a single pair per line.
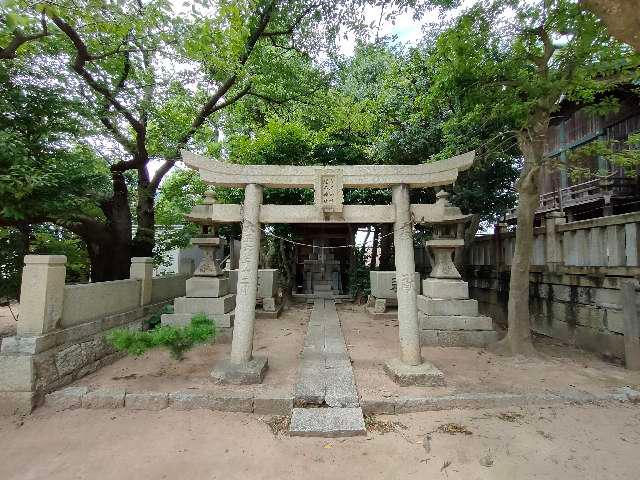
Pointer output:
176, 339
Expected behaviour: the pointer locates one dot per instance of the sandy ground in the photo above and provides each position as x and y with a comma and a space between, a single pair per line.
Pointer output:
370, 342
560, 369
582, 443
279, 339
7, 322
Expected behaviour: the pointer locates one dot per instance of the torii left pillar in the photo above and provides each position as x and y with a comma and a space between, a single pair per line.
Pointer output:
242, 367
409, 368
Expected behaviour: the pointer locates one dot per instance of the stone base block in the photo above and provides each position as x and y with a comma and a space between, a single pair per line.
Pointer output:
459, 338
17, 403
66, 399
423, 375
380, 305
445, 288
383, 283
28, 345
240, 374
222, 402
440, 306
273, 403
262, 313
454, 322
17, 373
222, 320
209, 306
104, 399
146, 401
327, 422
269, 304
390, 314
207, 287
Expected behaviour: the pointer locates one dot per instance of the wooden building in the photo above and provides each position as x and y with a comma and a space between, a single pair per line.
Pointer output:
608, 191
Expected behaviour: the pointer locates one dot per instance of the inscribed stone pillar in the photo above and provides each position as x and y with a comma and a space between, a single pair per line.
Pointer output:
41, 294
247, 287
142, 269
408, 325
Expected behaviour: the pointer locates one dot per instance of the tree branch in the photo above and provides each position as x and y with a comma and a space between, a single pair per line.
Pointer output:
79, 66
212, 104
10, 51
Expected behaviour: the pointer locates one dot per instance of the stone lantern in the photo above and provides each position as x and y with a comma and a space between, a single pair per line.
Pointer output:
448, 317
207, 291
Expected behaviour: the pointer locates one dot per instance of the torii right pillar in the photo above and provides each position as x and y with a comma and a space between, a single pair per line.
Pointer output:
409, 369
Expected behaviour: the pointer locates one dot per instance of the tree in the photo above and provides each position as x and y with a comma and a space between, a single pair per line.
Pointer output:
519, 68
154, 82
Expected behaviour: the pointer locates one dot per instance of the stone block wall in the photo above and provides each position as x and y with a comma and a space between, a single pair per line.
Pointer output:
575, 283
50, 349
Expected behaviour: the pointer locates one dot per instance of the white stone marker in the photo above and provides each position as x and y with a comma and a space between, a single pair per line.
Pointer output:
242, 344
408, 325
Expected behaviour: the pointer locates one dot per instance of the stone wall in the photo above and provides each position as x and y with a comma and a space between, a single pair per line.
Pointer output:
89, 301
577, 272
62, 328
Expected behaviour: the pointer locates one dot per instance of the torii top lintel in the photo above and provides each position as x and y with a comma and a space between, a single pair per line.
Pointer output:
442, 172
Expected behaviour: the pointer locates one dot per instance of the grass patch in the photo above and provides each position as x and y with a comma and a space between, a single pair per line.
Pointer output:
176, 339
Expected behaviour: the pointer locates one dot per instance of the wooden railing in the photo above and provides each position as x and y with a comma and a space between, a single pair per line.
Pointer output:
590, 191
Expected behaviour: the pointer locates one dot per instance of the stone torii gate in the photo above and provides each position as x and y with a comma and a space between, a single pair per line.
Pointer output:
328, 184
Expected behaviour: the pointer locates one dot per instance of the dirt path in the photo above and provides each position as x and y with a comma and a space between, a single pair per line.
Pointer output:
594, 442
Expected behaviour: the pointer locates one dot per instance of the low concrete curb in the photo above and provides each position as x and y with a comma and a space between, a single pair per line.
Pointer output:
397, 405
281, 403
268, 403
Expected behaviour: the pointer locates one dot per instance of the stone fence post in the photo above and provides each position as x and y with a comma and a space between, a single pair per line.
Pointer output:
41, 294
553, 240
631, 325
142, 269
41, 297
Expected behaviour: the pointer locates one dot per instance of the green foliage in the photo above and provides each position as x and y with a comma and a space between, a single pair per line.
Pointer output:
623, 154
51, 240
178, 194
359, 279
12, 246
177, 340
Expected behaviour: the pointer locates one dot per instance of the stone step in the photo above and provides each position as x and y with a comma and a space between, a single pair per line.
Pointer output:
439, 306
458, 338
327, 422
209, 306
454, 322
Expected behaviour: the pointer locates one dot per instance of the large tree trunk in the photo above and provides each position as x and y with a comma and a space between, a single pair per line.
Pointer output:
110, 259
109, 244
622, 18
144, 241
518, 340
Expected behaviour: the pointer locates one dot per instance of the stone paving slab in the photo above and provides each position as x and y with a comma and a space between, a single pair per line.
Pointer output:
327, 422
325, 375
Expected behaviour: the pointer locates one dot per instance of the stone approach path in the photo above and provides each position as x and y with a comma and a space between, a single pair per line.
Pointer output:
326, 399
